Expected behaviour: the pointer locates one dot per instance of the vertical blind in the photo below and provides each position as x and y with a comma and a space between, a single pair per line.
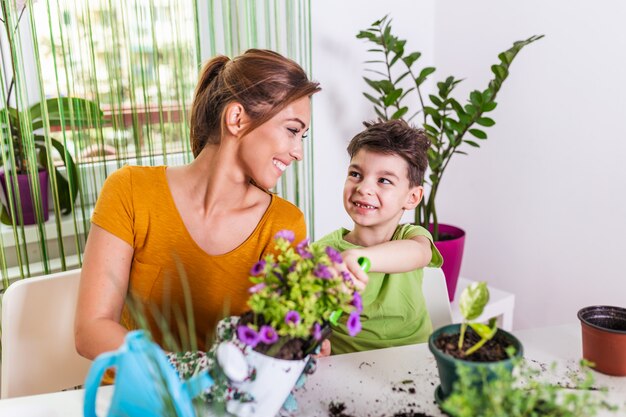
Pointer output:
87, 86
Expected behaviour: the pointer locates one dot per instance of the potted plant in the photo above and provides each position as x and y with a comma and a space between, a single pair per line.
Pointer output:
27, 149
259, 357
525, 392
450, 125
482, 348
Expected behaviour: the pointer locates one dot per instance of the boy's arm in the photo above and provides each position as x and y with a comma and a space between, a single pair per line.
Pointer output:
391, 257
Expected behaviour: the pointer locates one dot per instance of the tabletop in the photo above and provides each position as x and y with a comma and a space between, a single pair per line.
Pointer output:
386, 382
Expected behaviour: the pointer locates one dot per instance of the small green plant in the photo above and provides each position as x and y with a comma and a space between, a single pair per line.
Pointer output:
295, 293
445, 120
472, 302
24, 144
523, 393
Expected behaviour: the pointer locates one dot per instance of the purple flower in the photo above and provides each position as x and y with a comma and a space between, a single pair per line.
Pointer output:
258, 268
334, 255
292, 317
285, 234
357, 301
322, 271
354, 323
317, 331
248, 335
346, 276
303, 249
268, 335
256, 288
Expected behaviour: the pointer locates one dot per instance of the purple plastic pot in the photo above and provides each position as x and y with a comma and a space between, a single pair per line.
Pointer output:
28, 206
452, 252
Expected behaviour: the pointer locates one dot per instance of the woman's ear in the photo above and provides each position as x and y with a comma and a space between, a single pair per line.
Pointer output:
235, 118
414, 197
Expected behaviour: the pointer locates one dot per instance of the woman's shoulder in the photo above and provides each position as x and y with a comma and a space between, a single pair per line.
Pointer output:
283, 207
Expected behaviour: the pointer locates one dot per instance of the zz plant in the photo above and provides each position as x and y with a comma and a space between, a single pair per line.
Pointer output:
446, 121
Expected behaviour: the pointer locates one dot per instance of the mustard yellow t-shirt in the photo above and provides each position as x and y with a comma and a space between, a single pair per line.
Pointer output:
136, 205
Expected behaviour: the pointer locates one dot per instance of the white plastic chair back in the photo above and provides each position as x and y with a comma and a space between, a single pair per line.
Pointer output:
436, 296
38, 350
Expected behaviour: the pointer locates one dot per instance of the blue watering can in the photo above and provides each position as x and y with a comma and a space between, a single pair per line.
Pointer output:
144, 382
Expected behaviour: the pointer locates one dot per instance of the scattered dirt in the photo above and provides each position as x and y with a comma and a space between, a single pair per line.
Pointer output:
493, 350
337, 410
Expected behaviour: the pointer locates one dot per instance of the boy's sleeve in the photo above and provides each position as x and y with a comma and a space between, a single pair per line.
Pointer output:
409, 231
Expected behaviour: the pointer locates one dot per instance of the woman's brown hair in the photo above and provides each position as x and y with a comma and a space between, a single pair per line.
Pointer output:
262, 81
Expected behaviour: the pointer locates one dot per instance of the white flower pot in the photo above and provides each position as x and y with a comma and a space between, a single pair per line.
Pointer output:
268, 384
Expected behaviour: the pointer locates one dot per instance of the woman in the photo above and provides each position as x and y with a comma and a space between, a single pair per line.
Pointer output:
167, 234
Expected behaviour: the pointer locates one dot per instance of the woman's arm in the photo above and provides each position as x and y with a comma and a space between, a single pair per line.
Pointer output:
102, 291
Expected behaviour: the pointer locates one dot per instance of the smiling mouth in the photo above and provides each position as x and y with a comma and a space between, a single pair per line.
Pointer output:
279, 165
365, 206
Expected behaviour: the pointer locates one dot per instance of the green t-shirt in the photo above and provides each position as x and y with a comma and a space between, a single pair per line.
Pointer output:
394, 312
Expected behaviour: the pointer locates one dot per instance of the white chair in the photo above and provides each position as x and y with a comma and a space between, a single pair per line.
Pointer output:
38, 351
436, 296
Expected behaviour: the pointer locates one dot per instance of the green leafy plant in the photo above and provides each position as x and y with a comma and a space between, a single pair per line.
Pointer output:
27, 147
446, 121
523, 393
295, 293
472, 302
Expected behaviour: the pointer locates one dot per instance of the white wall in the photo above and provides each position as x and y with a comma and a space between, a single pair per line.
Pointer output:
543, 201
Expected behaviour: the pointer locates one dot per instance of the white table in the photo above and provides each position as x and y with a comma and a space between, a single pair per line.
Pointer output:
369, 383
501, 305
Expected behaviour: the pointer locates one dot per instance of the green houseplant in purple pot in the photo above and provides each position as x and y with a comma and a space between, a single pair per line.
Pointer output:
32, 160
480, 348
396, 84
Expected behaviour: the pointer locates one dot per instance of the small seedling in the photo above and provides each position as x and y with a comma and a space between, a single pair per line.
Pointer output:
473, 300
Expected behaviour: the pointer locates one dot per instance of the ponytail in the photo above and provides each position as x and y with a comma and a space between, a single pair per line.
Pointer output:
203, 118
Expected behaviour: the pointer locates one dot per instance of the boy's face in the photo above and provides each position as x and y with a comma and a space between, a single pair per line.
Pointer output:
376, 191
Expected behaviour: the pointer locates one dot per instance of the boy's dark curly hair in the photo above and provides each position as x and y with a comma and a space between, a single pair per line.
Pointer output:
395, 137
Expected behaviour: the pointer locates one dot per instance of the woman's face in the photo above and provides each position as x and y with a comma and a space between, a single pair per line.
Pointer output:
268, 150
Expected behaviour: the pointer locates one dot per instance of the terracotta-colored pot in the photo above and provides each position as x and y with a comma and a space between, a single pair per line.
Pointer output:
604, 338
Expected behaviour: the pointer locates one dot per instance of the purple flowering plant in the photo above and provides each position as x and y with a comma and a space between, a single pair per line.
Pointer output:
293, 294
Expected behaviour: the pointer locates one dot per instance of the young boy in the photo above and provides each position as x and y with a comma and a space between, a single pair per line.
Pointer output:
388, 161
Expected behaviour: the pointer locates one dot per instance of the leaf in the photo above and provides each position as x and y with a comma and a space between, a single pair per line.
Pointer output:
476, 98
435, 100
391, 98
478, 133
386, 86
487, 107
473, 300
399, 113
485, 121
411, 58
426, 72
374, 84
400, 78
472, 143
372, 99
483, 330
499, 71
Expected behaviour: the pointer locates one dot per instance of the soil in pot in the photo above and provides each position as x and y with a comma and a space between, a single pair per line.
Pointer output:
493, 350
293, 349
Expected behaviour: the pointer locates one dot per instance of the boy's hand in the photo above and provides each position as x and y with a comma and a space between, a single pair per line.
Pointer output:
352, 266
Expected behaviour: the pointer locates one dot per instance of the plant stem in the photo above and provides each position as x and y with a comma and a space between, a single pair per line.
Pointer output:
462, 335
19, 150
